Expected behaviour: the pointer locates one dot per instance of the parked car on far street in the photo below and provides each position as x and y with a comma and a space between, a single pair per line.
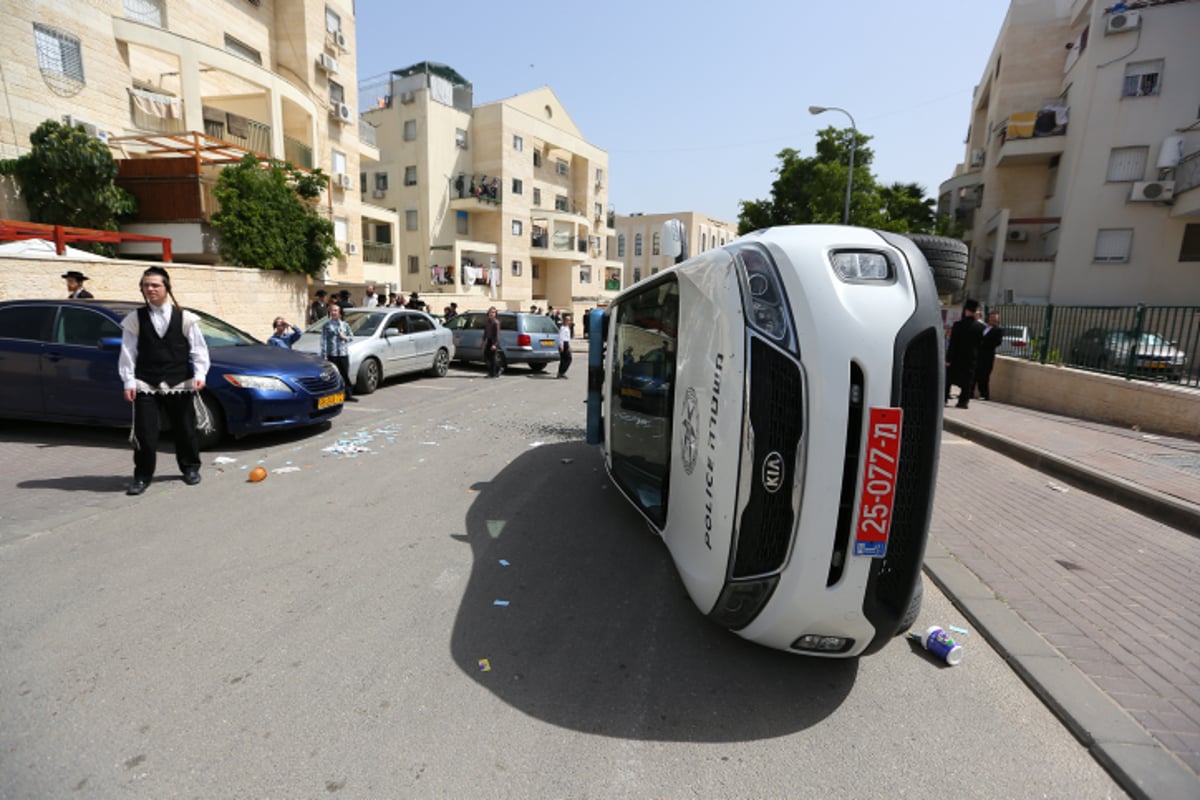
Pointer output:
1016, 342
1154, 356
388, 342
524, 338
58, 363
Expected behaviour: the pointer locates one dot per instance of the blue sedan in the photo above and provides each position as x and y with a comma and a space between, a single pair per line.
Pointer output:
58, 363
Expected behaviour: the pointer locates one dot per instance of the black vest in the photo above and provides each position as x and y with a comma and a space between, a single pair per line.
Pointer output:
162, 359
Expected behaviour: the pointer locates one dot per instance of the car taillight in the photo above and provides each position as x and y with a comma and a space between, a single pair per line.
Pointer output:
524, 340
1018, 344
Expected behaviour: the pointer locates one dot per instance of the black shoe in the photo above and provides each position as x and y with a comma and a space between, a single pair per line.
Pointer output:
137, 487
960, 405
351, 399
191, 477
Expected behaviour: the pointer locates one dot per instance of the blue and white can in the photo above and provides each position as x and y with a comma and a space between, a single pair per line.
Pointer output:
942, 645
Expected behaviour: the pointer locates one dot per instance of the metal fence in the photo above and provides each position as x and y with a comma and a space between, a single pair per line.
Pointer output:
1133, 342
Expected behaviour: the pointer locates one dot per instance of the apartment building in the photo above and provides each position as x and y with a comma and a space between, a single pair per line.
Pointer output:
179, 90
641, 244
1081, 182
504, 203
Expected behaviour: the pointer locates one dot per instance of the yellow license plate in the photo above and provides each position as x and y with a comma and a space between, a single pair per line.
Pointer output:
330, 400
548, 342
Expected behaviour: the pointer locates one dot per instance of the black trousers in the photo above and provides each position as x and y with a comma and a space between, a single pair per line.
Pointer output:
493, 365
181, 412
564, 360
343, 367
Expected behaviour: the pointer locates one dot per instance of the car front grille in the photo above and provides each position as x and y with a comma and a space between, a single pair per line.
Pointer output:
321, 384
776, 404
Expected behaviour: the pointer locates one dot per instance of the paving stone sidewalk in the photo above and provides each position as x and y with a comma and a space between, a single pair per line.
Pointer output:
1110, 589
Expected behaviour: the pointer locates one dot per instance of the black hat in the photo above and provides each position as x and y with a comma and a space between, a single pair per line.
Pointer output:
75, 275
159, 271
344, 293
320, 292
971, 305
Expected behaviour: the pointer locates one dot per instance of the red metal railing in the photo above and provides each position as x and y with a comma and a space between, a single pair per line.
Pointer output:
61, 235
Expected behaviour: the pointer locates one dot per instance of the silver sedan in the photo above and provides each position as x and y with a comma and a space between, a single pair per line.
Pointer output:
388, 342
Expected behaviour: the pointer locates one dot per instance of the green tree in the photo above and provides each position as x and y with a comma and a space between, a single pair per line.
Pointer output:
268, 217
67, 179
906, 209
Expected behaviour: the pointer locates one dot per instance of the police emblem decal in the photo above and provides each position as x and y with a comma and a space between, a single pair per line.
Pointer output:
690, 441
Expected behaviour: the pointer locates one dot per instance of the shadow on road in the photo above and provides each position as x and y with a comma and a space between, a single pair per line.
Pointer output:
598, 634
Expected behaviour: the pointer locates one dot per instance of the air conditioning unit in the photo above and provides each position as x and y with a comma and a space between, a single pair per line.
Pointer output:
379, 193
352, 248
339, 39
1018, 236
343, 181
340, 112
90, 128
328, 63
978, 156
1123, 21
1152, 191
407, 97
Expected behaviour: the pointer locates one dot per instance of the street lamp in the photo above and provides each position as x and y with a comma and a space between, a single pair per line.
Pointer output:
814, 110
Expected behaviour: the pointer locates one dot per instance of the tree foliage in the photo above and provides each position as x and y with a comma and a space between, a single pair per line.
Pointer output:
812, 190
269, 219
67, 179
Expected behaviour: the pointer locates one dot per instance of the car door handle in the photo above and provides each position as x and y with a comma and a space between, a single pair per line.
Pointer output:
54, 356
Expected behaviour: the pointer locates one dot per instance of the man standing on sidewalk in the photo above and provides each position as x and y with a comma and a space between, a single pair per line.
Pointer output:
993, 337
962, 352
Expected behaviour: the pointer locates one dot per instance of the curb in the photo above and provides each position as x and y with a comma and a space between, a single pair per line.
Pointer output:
1134, 759
1160, 507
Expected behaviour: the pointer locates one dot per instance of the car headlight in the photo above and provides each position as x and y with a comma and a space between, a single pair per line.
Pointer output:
766, 305
859, 267
265, 383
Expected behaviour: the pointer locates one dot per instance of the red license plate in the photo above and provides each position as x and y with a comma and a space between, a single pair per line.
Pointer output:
877, 494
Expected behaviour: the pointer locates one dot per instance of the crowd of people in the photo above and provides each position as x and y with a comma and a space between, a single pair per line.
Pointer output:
971, 354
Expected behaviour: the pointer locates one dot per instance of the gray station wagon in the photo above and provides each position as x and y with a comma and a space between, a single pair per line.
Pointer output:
524, 338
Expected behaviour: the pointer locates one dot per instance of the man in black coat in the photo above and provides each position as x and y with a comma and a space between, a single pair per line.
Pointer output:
993, 337
962, 352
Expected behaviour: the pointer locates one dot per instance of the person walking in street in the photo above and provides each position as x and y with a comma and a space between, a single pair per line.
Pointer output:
317, 310
993, 337
335, 345
564, 346
962, 352
491, 343
163, 365
282, 337
75, 290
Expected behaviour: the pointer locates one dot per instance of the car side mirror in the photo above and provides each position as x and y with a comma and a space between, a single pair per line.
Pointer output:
392, 332
110, 343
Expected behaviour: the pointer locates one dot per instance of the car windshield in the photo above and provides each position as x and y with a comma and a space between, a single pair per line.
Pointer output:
1153, 340
218, 333
643, 395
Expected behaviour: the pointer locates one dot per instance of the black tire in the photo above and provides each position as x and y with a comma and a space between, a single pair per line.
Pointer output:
538, 366
914, 608
209, 440
947, 259
369, 376
441, 363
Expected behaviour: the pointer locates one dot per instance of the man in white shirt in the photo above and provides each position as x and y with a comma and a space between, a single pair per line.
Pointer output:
164, 362
371, 300
564, 345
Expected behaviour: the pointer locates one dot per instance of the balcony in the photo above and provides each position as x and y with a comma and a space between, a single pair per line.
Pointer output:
297, 153
1032, 137
475, 193
378, 252
1187, 179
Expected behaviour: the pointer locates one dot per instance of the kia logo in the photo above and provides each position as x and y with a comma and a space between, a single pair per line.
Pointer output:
773, 472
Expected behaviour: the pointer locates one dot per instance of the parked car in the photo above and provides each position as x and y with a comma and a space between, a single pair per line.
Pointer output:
58, 362
773, 410
1016, 342
1104, 349
524, 338
388, 342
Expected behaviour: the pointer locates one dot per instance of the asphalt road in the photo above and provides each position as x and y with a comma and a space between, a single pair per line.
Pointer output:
463, 607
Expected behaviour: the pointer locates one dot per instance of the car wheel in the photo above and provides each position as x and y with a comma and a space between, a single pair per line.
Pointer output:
947, 259
914, 608
441, 363
209, 439
368, 377
538, 366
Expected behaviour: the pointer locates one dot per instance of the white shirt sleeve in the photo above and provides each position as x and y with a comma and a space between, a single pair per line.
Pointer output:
199, 347
129, 350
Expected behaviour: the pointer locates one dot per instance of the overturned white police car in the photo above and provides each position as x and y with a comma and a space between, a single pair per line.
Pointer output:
773, 408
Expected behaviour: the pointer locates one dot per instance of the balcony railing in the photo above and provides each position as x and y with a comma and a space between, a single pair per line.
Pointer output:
1187, 172
297, 153
485, 188
241, 131
378, 252
366, 133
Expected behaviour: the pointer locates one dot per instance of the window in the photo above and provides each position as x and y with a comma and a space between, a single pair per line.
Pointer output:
516, 269
338, 161
341, 229
381, 181
585, 273
460, 138
656, 244
599, 178
1113, 245
1127, 163
561, 167
518, 143
599, 211
637, 274
27, 323
410, 130
383, 233
1189, 250
147, 12
517, 227
1142, 78
637, 244
462, 223
336, 93
537, 196
84, 327
333, 22
239, 49
537, 158
414, 263
410, 219
362, 182
410, 176
517, 186
1052, 176
560, 202
58, 53
621, 245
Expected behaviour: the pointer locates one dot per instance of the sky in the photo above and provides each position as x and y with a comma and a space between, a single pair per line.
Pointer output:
693, 100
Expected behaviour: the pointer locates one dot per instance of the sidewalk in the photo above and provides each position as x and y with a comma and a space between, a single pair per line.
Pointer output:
1083, 576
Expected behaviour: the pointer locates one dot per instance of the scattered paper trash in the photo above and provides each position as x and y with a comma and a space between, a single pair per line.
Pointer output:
224, 460
281, 470
1055, 487
499, 602
953, 629
504, 562
536, 444
485, 665
942, 645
